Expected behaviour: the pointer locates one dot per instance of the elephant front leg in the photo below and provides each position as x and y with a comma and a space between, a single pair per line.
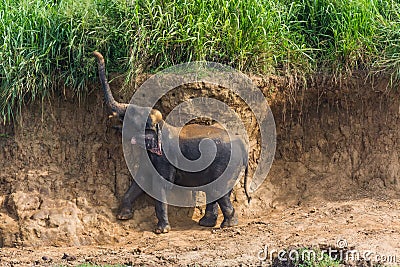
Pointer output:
162, 216
125, 208
230, 217
167, 171
211, 215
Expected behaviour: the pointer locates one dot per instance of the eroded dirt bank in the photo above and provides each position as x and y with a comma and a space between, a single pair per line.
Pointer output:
336, 174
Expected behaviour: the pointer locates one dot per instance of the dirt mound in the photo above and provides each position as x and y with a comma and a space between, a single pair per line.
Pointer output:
64, 172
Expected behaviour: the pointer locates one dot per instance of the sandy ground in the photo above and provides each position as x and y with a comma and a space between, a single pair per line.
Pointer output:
369, 227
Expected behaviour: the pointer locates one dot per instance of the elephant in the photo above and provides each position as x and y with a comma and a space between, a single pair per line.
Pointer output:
189, 138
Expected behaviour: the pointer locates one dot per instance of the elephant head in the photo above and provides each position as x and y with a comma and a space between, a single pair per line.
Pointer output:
139, 117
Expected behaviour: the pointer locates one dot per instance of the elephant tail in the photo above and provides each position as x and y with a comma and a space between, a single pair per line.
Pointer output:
246, 170
246, 190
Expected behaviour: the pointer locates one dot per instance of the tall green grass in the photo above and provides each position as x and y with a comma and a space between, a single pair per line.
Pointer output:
48, 43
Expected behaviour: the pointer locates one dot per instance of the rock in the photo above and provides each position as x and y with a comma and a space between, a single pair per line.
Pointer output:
9, 231
21, 203
57, 221
68, 257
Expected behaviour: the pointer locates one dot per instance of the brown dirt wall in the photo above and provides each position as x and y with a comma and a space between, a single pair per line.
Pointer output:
63, 171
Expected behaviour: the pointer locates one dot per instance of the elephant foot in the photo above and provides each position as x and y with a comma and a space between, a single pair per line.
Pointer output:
209, 219
162, 229
125, 214
231, 220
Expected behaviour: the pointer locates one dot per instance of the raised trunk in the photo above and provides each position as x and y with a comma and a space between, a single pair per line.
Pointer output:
119, 108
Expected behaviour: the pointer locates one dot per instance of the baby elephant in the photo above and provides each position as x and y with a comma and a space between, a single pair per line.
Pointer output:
188, 138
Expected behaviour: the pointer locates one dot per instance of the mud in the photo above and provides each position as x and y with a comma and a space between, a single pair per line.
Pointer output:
335, 175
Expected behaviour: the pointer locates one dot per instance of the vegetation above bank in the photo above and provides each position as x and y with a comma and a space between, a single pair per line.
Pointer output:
48, 43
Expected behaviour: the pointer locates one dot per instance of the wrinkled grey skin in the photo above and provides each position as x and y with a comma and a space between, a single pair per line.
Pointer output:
189, 139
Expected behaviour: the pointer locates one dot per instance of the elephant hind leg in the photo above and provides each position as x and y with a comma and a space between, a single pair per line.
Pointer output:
211, 215
230, 216
231, 220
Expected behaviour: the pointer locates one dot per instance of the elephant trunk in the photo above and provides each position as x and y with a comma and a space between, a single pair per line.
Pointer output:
115, 106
